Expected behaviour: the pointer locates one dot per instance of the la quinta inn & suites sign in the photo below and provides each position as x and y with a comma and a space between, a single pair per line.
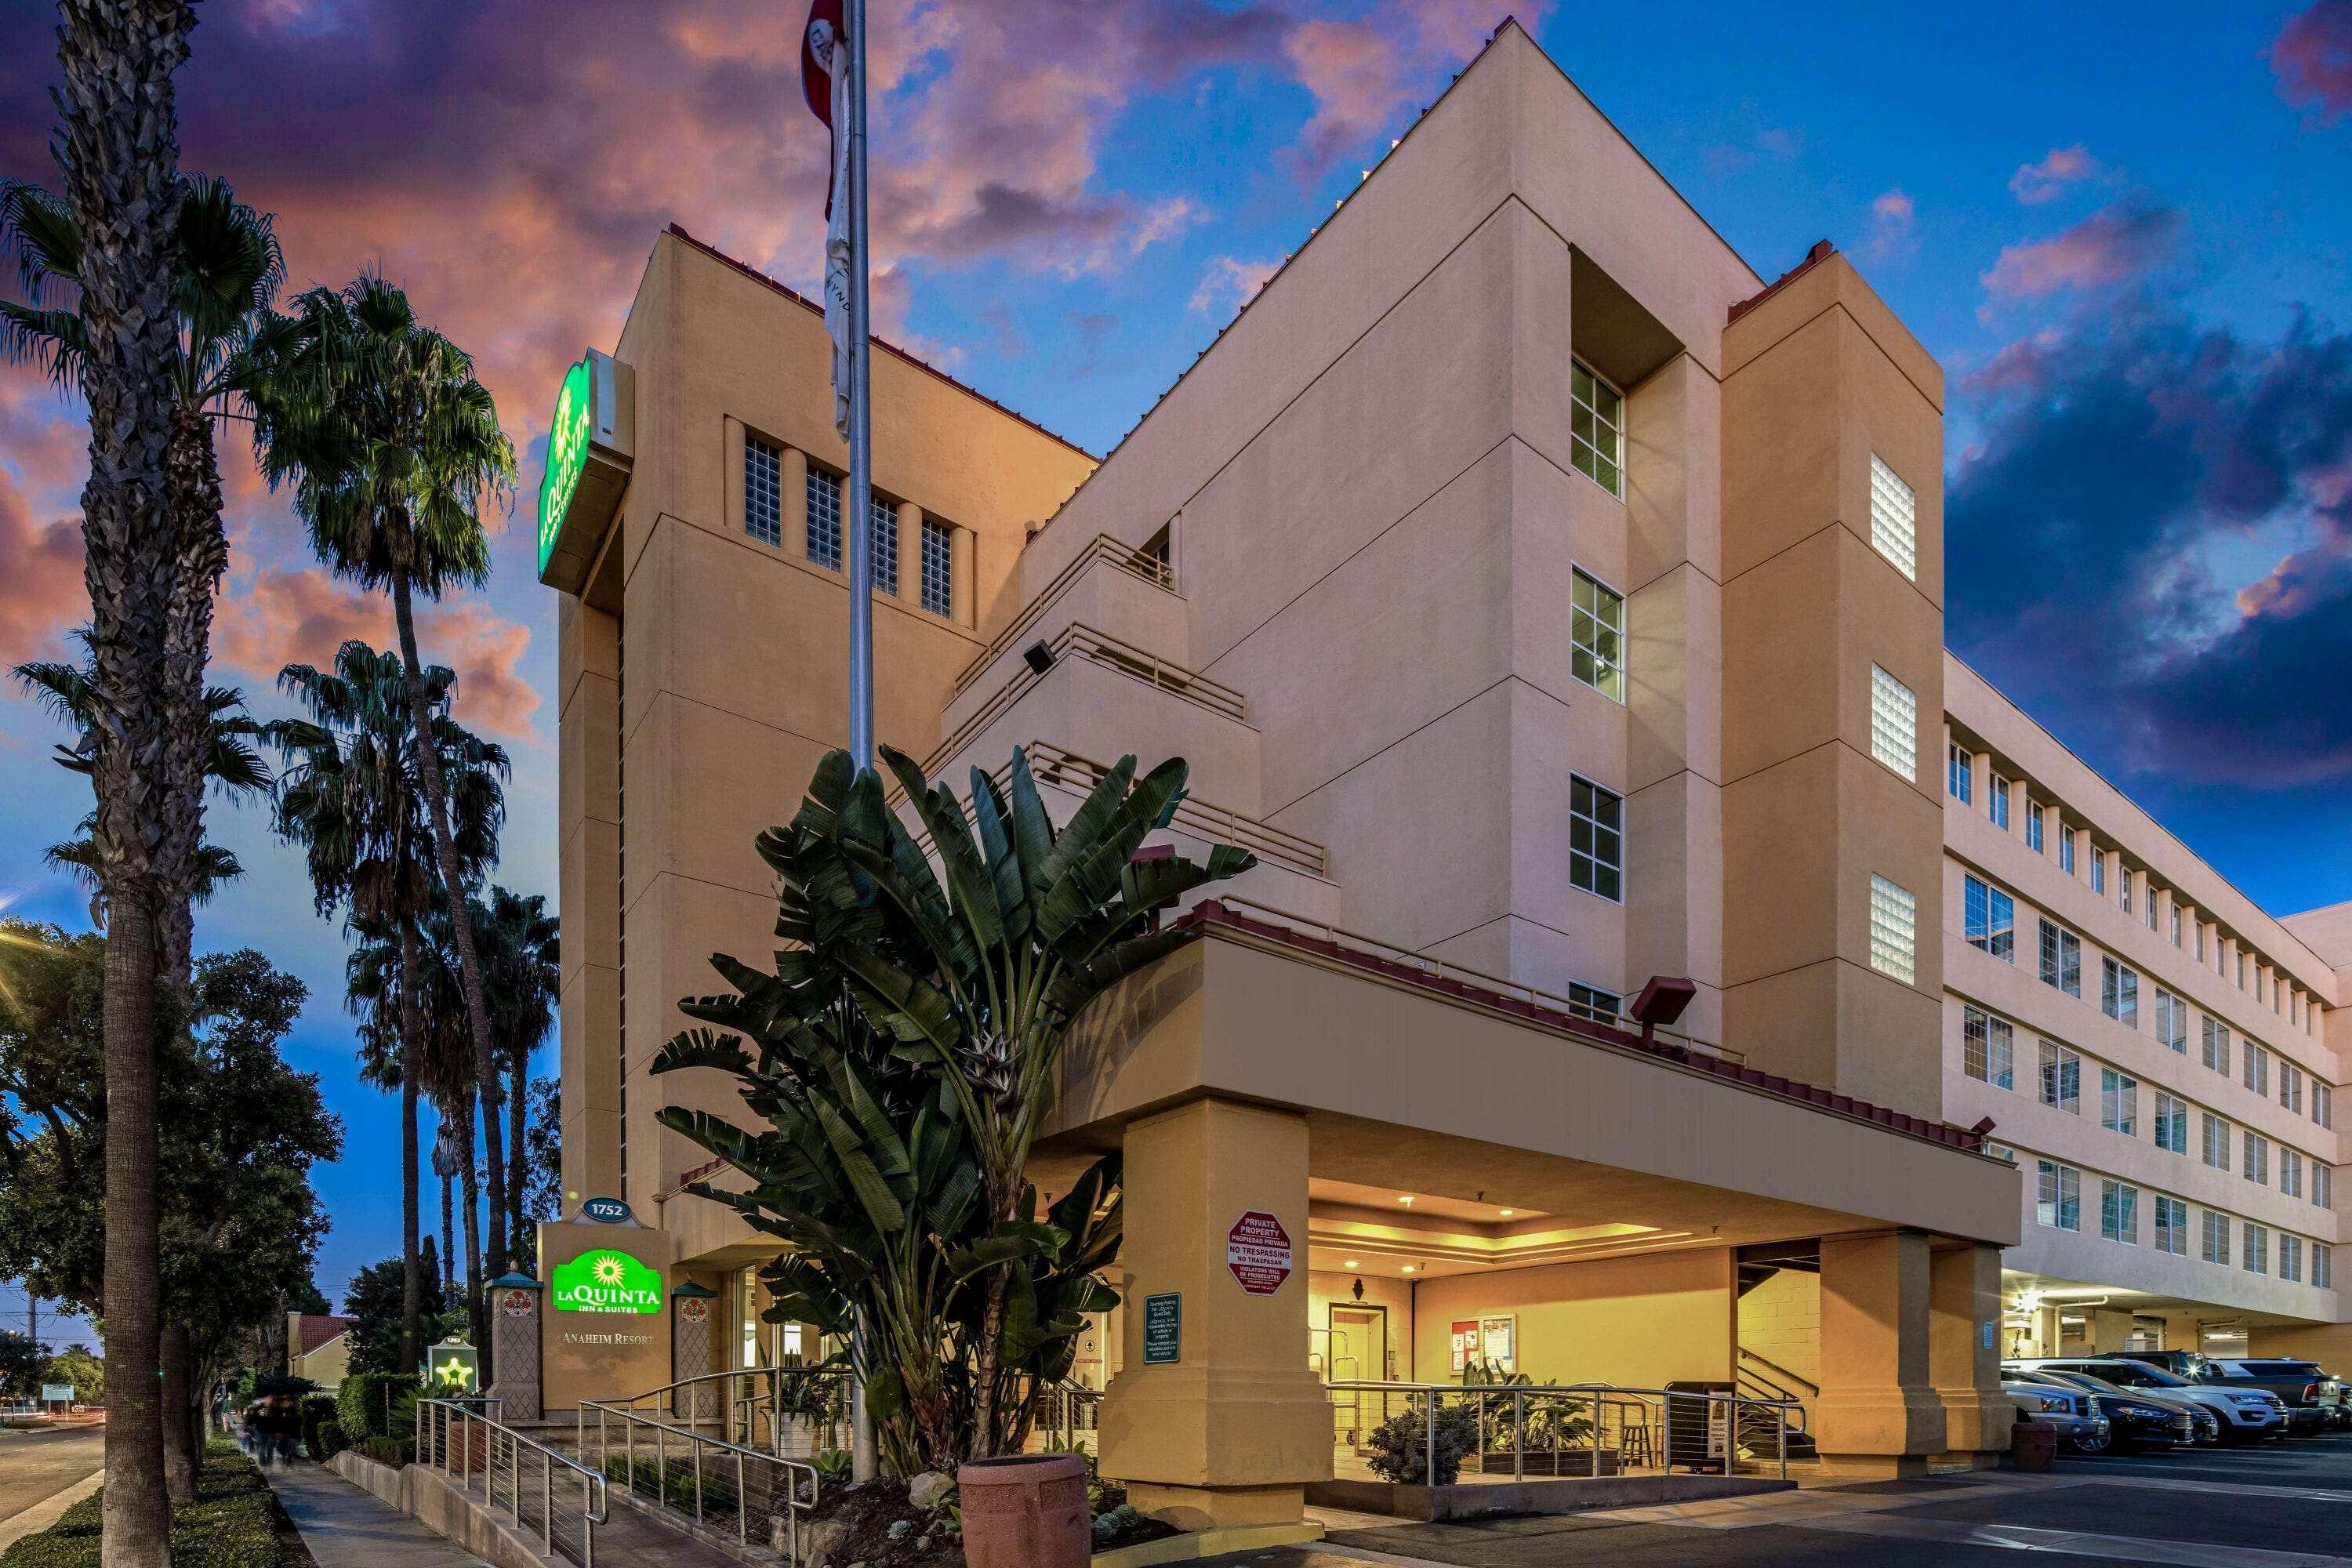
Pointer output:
567, 454
589, 443
607, 1281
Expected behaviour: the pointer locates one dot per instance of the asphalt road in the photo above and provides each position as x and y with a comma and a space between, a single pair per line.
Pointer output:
2272, 1507
33, 1464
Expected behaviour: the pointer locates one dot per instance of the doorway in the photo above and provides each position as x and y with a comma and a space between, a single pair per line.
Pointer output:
1359, 1352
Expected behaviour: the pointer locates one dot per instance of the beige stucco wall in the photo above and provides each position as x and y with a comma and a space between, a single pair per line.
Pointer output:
1780, 1320
1640, 1322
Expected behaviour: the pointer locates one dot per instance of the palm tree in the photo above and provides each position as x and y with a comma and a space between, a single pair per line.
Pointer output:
352, 795
522, 973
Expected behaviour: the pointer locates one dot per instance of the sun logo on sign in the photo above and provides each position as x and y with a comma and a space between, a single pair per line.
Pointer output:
607, 1270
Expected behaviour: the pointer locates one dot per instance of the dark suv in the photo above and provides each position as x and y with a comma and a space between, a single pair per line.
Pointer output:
2180, 1364
2310, 1395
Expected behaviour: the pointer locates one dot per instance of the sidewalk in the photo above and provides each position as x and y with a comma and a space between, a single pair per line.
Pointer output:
346, 1527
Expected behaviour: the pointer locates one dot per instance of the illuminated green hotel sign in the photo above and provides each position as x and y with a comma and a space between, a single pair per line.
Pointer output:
607, 1281
567, 455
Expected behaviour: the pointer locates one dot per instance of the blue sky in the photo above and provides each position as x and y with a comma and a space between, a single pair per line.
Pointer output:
2123, 229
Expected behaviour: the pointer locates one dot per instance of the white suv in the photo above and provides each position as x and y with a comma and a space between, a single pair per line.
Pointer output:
2243, 1413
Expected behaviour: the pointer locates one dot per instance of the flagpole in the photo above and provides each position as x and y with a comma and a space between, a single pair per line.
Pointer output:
861, 456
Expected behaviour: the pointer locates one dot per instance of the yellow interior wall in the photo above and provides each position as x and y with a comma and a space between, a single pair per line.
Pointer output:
1640, 1322
1325, 1289
1781, 1321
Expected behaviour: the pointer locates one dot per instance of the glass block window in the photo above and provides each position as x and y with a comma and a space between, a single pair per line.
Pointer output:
939, 567
1989, 916
1987, 1048
1999, 802
1596, 429
1893, 929
2171, 1123
2172, 1226
2119, 992
1893, 518
2217, 1141
825, 520
2171, 1021
2118, 1102
1894, 723
2058, 1195
2032, 826
2217, 1045
1593, 1003
2257, 1249
763, 491
2120, 1212
2062, 1078
2062, 959
2217, 1237
1596, 842
2290, 1256
1597, 628
883, 522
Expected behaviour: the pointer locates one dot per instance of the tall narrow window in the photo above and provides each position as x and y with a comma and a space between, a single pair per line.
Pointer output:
2242, 969
883, 517
1894, 928
2217, 1045
1894, 723
1990, 915
939, 567
2119, 992
2067, 849
2323, 1265
2171, 1123
1597, 628
2257, 1250
2058, 1195
2290, 1172
2062, 1078
1596, 429
2290, 1086
2200, 942
2172, 1226
2290, 1254
2323, 1184
2118, 1102
2255, 1167
2123, 887
1596, 839
825, 520
763, 491
2171, 1021
1893, 518
2000, 802
2217, 1141
2323, 1103
2150, 902
1959, 774
1987, 1048
2032, 826
2257, 1070
2120, 1212
2062, 959
2175, 925
2217, 1237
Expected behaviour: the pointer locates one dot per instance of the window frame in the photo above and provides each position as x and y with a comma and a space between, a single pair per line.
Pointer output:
2051, 1177
1595, 827
1585, 450
825, 541
943, 604
2118, 1102
1612, 670
763, 490
1992, 1040
1893, 533
1886, 716
2059, 1071
1987, 931
2118, 1211
2061, 953
1883, 929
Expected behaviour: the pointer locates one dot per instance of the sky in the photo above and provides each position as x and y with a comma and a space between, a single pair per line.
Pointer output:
2124, 230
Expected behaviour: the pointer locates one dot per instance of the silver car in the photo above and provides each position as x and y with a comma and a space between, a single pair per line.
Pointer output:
2203, 1425
2075, 1414
2243, 1413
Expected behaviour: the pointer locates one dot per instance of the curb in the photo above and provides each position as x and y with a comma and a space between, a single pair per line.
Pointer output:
1193, 1545
47, 1513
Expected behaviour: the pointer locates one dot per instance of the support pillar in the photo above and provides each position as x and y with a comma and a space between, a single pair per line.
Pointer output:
515, 1302
1879, 1414
1230, 1432
1964, 1354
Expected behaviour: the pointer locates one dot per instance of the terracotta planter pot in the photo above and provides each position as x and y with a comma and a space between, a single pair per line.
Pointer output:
2033, 1445
1026, 1511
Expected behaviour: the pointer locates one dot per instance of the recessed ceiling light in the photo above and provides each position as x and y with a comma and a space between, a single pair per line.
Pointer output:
1508, 1212
1408, 1268
1406, 1199
1351, 1263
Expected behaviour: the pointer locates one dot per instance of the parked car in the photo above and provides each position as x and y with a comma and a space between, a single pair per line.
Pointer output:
2312, 1397
2138, 1417
2180, 1364
2243, 1413
2074, 1412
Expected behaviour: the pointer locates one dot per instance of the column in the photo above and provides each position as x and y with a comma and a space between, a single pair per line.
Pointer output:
589, 894
795, 507
1229, 1431
515, 1301
1964, 1353
910, 556
962, 543
1878, 1411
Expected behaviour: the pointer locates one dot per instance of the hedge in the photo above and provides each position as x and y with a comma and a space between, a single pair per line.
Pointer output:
377, 1405
321, 1426
233, 1523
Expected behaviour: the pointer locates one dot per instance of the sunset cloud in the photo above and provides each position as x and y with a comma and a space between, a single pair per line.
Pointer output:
2112, 246
1891, 239
1229, 283
2061, 167
2312, 59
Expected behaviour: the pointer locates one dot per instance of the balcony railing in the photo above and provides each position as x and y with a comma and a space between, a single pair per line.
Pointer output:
1104, 548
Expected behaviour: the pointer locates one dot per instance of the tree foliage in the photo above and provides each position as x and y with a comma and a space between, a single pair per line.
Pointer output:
20, 1365
902, 1054
372, 1301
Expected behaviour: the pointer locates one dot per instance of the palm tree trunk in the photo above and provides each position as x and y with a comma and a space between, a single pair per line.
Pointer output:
520, 1249
191, 480
412, 1057
470, 1189
117, 144
179, 1402
461, 919
448, 1243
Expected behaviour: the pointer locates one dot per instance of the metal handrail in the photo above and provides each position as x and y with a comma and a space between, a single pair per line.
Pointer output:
799, 1479
1436, 968
1103, 547
1597, 1397
443, 1418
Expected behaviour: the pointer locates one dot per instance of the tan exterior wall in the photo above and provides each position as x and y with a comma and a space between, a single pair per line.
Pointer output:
1640, 1322
1780, 1320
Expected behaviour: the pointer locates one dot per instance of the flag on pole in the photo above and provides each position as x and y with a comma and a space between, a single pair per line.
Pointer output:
824, 80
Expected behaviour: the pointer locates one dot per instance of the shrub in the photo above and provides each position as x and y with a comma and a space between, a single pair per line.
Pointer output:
233, 1523
383, 1450
319, 1416
1400, 1445
377, 1405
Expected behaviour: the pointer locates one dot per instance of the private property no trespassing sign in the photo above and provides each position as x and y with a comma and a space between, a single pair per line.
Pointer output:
1257, 1249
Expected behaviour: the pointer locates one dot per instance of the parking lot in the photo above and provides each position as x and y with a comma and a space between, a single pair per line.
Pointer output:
2270, 1506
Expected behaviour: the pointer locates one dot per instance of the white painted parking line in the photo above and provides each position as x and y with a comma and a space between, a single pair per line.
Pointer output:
2078, 1544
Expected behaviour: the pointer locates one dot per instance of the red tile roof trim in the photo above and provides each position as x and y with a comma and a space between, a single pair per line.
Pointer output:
1214, 913
797, 297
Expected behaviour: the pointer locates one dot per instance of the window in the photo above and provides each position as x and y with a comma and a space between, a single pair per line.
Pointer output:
2119, 993
2217, 1046
2032, 826
1596, 429
939, 567
1894, 723
2172, 1226
2120, 1212
2323, 1185
1959, 774
2175, 925
2323, 1103
2123, 885
2258, 1068
2098, 870
2257, 1249
1894, 928
825, 520
2290, 1172
1999, 1152
1593, 1003
2290, 1086
2171, 1123
2062, 1078
2062, 959
2289, 1258
2171, 1021
2067, 849
1596, 839
2000, 802
2058, 1195
2323, 1265
2217, 1141
1596, 627
2118, 1102
2257, 1166
2200, 942
763, 491
2150, 904
1987, 1048
2242, 971
1990, 917
883, 517
2216, 1238
1893, 518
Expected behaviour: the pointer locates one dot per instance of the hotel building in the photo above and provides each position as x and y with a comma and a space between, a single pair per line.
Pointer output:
1552, 604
